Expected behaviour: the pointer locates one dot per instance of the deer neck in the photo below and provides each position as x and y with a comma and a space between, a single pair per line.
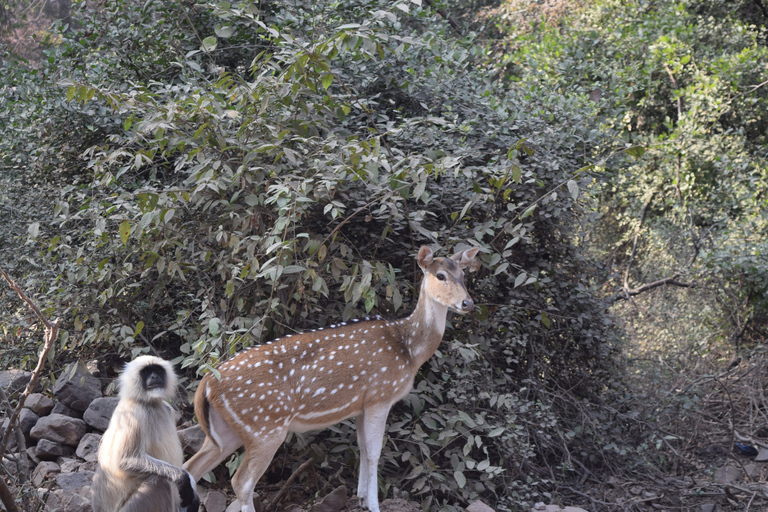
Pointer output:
424, 328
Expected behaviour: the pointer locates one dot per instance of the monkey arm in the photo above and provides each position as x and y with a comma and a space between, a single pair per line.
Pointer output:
148, 465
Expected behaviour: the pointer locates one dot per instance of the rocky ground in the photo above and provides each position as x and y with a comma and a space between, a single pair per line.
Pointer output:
55, 448
58, 439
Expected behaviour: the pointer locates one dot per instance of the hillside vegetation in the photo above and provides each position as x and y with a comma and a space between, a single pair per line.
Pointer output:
190, 179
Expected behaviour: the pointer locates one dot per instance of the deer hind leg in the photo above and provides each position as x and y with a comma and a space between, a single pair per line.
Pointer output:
221, 442
259, 451
370, 437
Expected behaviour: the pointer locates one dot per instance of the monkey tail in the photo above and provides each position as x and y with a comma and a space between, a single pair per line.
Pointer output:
202, 408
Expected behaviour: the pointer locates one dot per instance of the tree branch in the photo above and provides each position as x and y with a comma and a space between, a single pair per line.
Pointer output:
626, 293
51, 334
454, 24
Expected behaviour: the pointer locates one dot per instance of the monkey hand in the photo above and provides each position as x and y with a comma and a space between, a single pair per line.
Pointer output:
190, 502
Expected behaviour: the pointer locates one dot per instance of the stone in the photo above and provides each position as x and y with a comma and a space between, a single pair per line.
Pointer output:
88, 447
68, 465
72, 502
32, 454
50, 500
60, 408
214, 501
762, 455
479, 506
73, 482
39, 404
235, 506
334, 502
59, 429
43, 471
191, 439
27, 420
100, 411
541, 507
13, 381
89, 466
49, 450
728, 475
12, 444
399, 505
76, 388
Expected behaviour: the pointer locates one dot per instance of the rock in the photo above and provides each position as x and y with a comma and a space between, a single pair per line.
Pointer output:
541, 507
762, 455
88, 447
69, 502
27, 420
13, 381
76, 388
399, 505
73, 482
50, 500
32, 454
43, 471
191, 439
60, 408
68, 465
12, 444
479, 506
39, 404
728, 475
752, 470
49, 450
214, 501
334, 502
708, 507
89, 466
235, 506
59, 429
100, 411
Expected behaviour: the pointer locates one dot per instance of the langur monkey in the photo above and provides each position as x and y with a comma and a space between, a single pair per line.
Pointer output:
140, 455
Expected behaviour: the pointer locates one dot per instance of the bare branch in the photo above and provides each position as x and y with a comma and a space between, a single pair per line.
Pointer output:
626, 293
51, 334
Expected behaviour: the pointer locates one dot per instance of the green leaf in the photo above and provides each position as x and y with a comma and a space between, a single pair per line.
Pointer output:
138, 329
223, 31
496, 432
573, 188
635, 151
528, 212
147, 201
516, 173
545, 319
125, 231
209, 44
460, 479
327, 81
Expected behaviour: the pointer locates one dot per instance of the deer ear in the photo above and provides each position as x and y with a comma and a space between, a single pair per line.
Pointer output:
425, 257
464, 258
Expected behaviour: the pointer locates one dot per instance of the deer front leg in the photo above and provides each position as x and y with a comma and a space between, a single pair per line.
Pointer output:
371, 437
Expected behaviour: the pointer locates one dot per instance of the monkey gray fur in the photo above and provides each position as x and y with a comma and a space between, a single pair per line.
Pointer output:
140, 455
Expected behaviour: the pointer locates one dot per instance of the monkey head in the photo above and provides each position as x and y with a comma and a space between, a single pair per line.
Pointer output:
148, 378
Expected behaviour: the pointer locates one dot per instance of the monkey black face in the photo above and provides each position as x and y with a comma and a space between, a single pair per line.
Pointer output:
153, 377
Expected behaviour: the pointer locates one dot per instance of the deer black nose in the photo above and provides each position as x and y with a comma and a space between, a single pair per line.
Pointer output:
467, 305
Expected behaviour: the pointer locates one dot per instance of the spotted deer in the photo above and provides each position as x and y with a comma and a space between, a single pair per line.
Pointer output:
312, 380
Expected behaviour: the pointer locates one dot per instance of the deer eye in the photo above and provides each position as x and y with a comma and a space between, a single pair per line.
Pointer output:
441, 277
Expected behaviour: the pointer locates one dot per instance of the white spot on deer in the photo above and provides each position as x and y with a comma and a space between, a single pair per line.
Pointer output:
319, 391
